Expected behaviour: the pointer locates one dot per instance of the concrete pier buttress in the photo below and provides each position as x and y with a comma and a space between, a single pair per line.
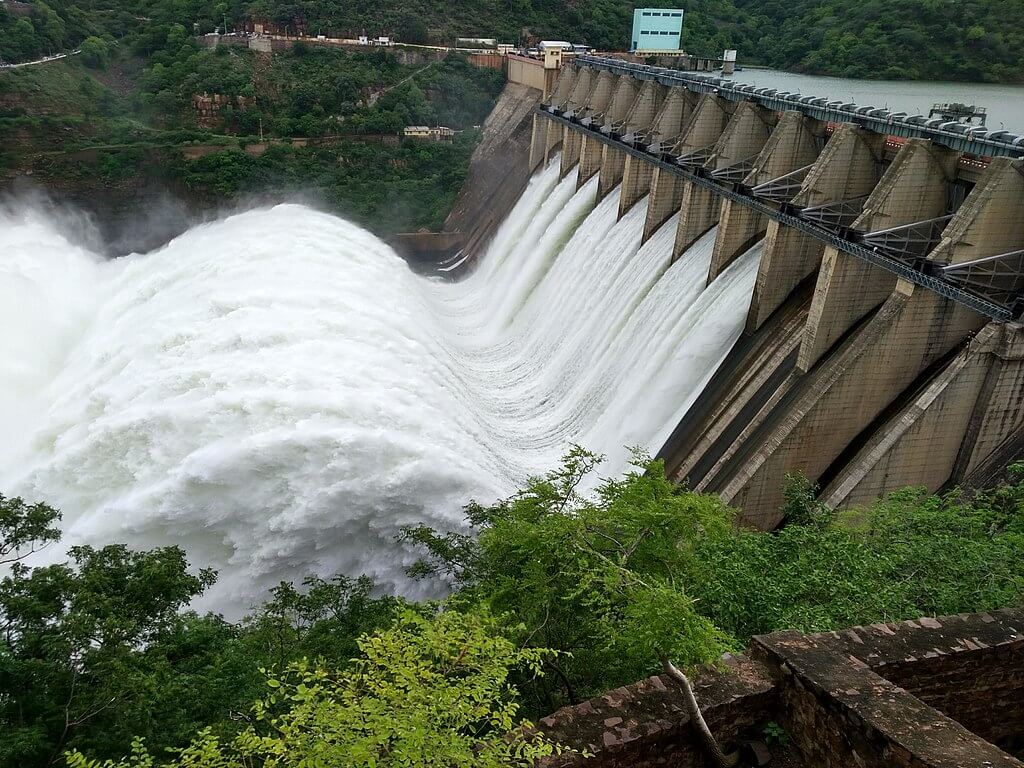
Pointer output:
742, 138
847, 392
572, 145
637, 174
581, 89
595, 107
999, 412
645, 108
990, 222
572, 141
794, 143
968, 409
666, 195
868, 381
590, 160
913, 188
636, 182
613, 166
674, 113
848, 168
613, 161
564, 87
555, 133
567, 77
705, 126
539, 142
920, 444
697, 205
702, 129
667, 188
623, 96
600, 97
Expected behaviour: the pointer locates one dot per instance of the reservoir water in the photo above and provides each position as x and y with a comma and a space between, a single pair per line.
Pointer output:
1005, 103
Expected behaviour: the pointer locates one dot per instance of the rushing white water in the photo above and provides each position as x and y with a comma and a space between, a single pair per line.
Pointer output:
279, 394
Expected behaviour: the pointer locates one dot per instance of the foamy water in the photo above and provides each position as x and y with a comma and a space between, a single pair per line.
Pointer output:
279, 394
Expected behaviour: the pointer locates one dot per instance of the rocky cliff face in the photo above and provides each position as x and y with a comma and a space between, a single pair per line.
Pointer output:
499, 170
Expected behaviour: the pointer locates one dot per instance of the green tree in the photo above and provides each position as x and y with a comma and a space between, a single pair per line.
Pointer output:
25, 528
412, 29
600, 577
95, 53
322, 619
429, 691
69, 660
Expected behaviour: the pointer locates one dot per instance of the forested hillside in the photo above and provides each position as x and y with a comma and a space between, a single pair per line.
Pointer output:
125, 120
914, 39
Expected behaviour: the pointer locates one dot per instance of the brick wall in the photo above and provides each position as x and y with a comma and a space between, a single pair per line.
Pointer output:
930, 693
970, 668
645, 724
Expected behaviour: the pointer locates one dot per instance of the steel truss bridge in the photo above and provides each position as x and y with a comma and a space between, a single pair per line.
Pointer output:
992, 286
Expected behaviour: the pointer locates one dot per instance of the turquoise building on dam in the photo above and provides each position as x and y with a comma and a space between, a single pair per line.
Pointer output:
657, 29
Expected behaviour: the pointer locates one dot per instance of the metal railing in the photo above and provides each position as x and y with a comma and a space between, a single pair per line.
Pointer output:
975, 289
975, 140
908, 241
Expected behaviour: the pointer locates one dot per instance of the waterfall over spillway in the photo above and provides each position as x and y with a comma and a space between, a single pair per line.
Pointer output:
279, 394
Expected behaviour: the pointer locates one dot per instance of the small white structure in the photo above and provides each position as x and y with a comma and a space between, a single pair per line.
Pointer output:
561, 45
476, 43
425, 132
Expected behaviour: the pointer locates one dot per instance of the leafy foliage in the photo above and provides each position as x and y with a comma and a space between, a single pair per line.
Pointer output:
388, 188
601, 577
95, 52
640, 568
71, 633
910, 554
24, 528
426, 692
588, 581
906, 39
97, 651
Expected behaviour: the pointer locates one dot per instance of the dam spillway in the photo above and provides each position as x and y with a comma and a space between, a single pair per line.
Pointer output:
277, 393
883, 345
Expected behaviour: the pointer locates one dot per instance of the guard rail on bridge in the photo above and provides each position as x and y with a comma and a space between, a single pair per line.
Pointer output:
975, 140
959, 283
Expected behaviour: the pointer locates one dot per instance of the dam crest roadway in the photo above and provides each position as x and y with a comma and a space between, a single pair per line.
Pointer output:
882, 346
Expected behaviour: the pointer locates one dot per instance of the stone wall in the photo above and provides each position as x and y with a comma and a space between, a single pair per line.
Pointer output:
970, 668
931, 693
16, 8
210, 107
645, 724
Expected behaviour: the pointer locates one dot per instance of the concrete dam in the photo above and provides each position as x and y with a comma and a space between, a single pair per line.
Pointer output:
881, 344
738, 282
